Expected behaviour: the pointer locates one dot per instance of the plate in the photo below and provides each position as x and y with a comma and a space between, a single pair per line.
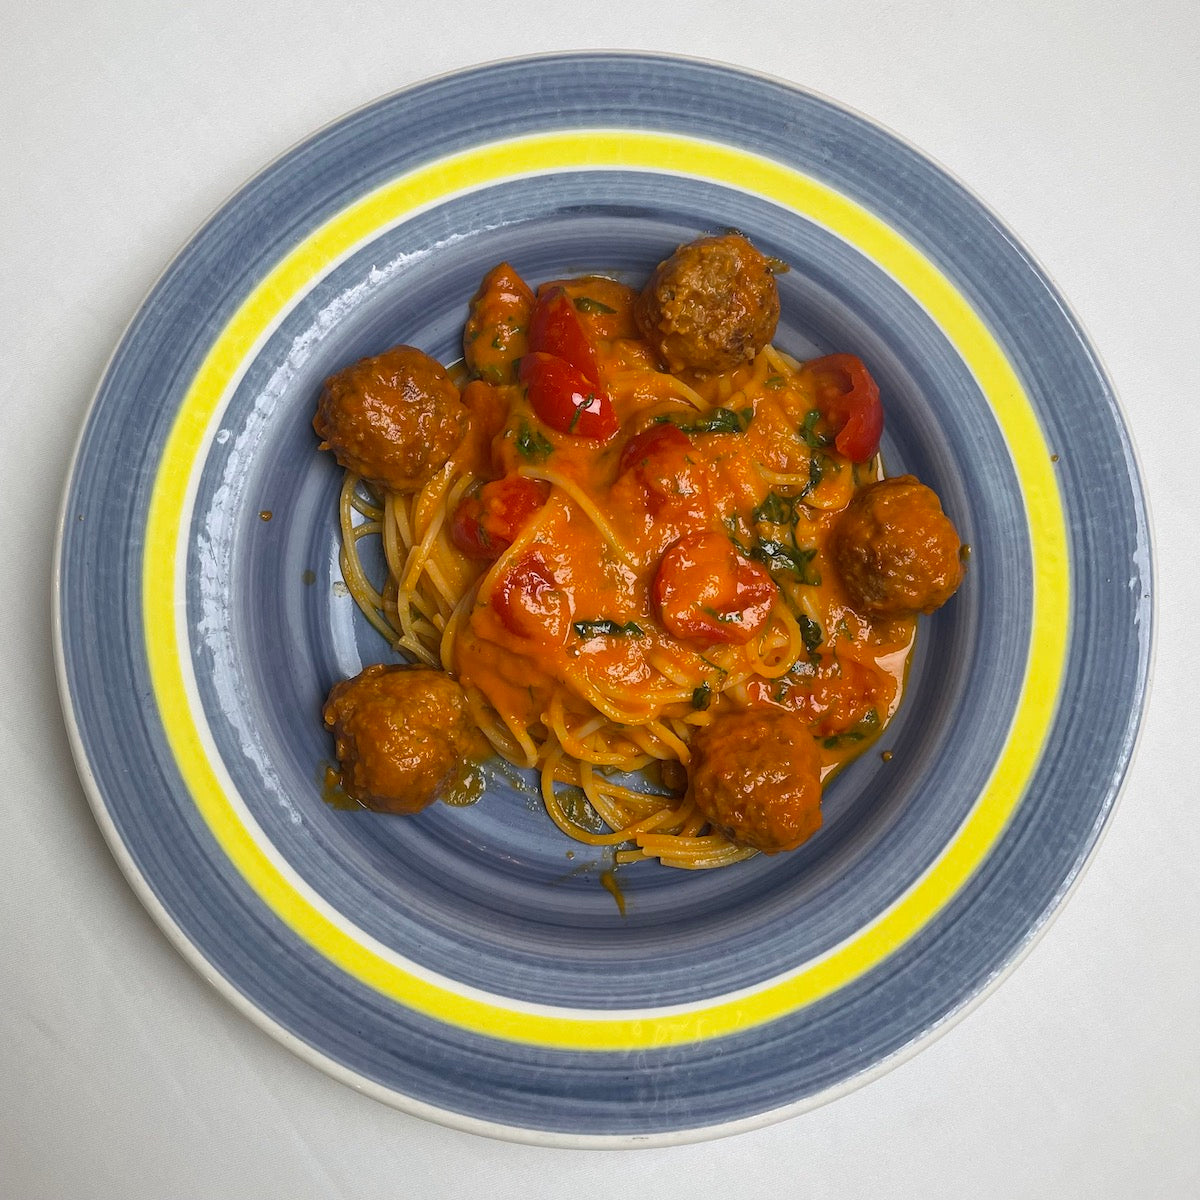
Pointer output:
468, 965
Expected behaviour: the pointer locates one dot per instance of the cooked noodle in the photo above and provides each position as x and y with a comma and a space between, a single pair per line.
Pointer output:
593, 733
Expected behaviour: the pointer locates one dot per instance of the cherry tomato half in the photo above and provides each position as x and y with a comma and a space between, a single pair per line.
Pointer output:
659, 459
495, 335
555, 328
530, 602
565, 399
834, 696
657, 441
485, 524
706, 591
849, 400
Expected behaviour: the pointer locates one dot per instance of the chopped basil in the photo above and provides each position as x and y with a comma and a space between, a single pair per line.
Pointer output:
776, 510
810, 631
728, 617
702, 697
533, 445
586, 304
589, 402
816, 472
735, 528
774, 382
605, 627
718, 420
867, 726
808, 430
786, 560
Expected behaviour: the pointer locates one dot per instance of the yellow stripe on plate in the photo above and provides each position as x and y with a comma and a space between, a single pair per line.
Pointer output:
290, 280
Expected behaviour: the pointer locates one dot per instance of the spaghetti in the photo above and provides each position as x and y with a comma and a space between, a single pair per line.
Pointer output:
607, 565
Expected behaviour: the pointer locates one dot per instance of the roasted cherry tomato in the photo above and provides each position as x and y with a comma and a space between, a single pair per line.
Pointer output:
659, 458
530, 602
706, 591
496, 333
487, 408
833, 696
555, 328
657, 441
848, 399
485, 524
565, 399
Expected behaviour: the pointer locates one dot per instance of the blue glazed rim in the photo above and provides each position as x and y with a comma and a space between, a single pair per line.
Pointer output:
884, 831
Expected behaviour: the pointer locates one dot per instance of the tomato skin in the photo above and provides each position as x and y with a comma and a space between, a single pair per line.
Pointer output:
837, 701
652, 443
484, 525
834, 696
487, 406
530, 602
658, 458
495, 337
555, 328
849, 400
565, 399
467, 531
705, 591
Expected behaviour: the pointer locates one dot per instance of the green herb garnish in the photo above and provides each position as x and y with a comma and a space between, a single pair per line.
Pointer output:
808, 430
718, 420
701, 697
776, 510
786, 560
586, 304
533, 445
816, 472
867, 726
606, 627
729, 617
810, 631
736, 530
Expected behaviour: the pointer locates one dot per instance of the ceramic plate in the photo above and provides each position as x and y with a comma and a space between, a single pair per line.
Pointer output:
467, 964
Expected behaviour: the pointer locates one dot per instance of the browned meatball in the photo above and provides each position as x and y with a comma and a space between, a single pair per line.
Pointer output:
711, 305
394, 419
403, 736
896, 551
756, 775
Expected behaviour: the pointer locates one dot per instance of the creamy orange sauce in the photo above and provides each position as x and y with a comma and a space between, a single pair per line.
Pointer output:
751, 470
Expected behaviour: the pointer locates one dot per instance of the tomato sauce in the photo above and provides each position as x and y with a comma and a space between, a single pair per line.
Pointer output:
657, 542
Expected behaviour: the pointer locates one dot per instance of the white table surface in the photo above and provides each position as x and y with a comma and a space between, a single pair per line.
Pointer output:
122, 126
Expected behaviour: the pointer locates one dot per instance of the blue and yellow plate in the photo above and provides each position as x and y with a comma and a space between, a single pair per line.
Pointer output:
468, 965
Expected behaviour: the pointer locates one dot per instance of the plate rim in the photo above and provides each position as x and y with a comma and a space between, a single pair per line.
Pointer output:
1134, 725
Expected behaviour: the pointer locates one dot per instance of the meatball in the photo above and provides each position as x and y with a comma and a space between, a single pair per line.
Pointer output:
403, 736
711, 305
394, 419
756, 775
897, 553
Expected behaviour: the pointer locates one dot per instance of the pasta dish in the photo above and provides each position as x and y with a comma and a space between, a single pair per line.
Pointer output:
632, 545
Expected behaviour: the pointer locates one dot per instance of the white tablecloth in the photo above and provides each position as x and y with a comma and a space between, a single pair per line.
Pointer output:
122, 126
